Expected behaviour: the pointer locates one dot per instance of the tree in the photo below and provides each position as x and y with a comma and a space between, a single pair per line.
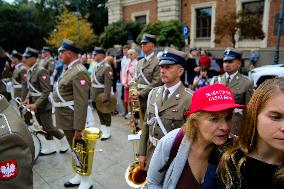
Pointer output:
67, 27
167, 33
119, 32
247, 24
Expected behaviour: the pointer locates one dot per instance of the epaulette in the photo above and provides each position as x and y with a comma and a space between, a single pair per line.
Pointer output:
187, 90
80, 67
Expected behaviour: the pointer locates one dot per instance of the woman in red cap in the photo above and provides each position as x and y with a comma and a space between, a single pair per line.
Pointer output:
256, 159
182, 161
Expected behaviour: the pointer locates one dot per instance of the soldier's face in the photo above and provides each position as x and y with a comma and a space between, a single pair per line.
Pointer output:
30, 61
147, 48
231, 66
170, 74
65, 56
214, 127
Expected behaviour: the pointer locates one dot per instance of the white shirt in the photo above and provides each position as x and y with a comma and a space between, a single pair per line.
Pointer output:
148, 58
172, 89
231, 76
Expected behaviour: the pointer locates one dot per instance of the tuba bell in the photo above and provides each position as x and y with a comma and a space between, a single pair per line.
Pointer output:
135, 177
83, 151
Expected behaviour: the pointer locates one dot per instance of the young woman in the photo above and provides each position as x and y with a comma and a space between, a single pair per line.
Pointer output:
256, 159
201, 80
208, 126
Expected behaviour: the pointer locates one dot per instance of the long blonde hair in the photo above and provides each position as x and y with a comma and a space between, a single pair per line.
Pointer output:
246, 142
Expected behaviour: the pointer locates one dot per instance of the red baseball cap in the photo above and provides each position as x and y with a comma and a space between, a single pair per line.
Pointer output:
212, 98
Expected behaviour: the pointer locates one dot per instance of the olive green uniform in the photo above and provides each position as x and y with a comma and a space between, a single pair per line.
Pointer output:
21, 77
6, 74
16, 149
102, 83
48, 63
171, 113
16, 80
242, 88
151, 72
39, 90
73, 85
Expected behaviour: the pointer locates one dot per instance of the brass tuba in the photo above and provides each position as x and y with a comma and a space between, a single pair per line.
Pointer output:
83, 151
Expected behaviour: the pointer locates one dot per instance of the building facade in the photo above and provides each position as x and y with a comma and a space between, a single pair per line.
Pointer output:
200, 16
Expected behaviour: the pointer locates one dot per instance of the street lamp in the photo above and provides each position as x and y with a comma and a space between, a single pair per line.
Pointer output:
279, 27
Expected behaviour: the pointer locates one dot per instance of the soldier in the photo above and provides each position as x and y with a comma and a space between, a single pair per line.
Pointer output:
102, 79
5, 72
16, 149
71, 101
16, 80
37, 100
241, 86
166, 104
47, 60
147, 72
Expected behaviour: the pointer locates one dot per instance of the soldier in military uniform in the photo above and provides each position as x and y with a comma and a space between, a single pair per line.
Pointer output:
102, 79
16, 149
166, 104
5, 72
147, 71
71, 101
37, 100
241, 86
47, 60
16, 80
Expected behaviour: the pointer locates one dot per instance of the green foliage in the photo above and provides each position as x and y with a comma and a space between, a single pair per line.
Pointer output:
248, 24
24, 25
119, 32
167, 33
67, 27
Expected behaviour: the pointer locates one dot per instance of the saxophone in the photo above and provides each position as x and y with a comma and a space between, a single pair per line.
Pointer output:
83, 151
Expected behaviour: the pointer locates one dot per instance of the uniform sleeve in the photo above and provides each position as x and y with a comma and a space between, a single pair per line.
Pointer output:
108, 78
81, 88
44, 83
23, 81
156, 81
249, 92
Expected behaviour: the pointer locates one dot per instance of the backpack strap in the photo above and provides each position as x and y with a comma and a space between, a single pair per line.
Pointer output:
173, 151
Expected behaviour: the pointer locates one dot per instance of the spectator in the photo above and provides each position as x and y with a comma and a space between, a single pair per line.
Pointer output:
204, 59
254, 57
214, 69
256, 160
190, 67
201, 80
129, 76
206, 133
123, 64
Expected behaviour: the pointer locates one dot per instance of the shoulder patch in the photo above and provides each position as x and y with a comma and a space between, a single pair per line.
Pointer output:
187, 90
8, 169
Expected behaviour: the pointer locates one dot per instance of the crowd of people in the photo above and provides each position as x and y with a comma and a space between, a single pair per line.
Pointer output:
203, 124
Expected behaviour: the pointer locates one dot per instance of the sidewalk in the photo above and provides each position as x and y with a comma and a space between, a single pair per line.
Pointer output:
111, 159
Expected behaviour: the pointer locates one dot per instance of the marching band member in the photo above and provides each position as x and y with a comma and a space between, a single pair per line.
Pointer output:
71, 101
37, 100
166, 104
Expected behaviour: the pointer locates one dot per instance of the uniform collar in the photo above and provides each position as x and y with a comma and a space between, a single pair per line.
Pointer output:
73, 62
232, 75
172, 89
18, 65
3, 103
148, 58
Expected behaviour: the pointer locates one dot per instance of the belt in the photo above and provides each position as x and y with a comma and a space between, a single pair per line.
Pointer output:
98, 86
153, 140
35, 94
141, 86
63, 104
17, 86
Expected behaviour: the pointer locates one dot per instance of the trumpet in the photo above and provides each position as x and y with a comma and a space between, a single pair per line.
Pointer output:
135, 176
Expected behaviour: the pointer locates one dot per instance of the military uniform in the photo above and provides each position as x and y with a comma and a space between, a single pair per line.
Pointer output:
71, 99
16, 80
21, 77
16, 149
48, 63
102, 83
241, 86
165, 107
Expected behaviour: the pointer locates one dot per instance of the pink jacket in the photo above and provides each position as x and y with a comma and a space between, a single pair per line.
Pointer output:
130, 71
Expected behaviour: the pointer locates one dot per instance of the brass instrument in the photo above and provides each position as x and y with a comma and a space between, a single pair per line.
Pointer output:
135, 177
83, 151
101, 106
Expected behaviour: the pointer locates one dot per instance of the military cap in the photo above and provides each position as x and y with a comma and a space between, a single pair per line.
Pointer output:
193, 49
231, 55
30, 52
99, 50
148, 38
46, 49
172, 56
16, 54
68, 45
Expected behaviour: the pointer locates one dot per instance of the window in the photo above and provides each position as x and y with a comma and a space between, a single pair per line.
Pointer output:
141, 19
203, 22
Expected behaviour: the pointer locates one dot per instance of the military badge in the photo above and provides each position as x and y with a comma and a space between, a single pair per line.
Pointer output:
110, 73
44, 77
82, 82
8, 170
